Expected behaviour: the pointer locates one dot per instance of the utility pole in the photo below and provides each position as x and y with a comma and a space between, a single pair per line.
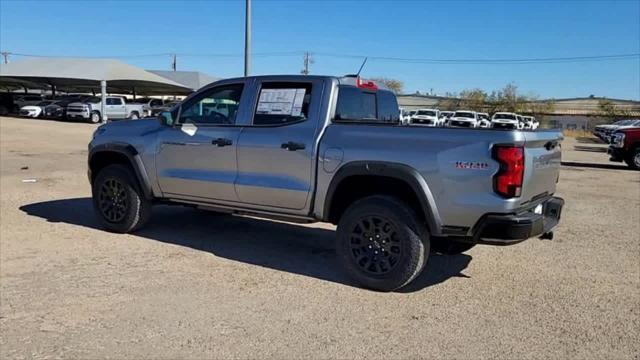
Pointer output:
173, 63
307, 61
5, 54
247, 38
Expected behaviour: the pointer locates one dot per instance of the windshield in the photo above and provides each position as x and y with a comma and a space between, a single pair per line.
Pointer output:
504, 116
464, 114
426, 112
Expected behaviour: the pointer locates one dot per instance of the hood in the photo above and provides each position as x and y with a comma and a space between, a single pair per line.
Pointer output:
31, 108
131, 128
505, 120
462, 119
425, 116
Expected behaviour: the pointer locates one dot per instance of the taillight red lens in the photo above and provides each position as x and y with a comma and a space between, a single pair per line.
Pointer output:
508, 181
366, 84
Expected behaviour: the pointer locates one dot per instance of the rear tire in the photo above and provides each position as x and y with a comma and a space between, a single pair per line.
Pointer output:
134, 116
381, 243
118, 201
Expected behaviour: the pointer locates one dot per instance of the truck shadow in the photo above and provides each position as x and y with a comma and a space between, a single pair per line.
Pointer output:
293, 248
575, 164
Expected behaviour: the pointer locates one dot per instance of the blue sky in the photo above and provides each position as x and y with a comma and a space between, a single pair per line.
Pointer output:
407, 29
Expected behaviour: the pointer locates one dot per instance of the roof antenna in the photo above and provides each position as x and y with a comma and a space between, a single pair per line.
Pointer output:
361, 66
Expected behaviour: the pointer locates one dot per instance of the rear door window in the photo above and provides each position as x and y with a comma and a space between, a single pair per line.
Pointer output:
282, 103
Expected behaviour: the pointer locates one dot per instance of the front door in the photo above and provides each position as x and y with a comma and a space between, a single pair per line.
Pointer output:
197, 157
276, 150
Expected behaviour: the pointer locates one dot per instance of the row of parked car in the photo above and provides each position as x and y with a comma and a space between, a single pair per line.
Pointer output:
468, 119
623, 137
82, 107
605, 132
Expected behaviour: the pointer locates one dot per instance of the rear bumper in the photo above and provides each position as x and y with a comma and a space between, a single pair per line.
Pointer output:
506, 229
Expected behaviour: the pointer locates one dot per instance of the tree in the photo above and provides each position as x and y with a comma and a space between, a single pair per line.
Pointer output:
393, 84
474, 99
609, 110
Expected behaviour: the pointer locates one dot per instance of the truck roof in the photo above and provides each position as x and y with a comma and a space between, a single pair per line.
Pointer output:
349, 80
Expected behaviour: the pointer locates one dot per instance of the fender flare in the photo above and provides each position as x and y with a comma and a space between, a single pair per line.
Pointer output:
130, 152
398, 171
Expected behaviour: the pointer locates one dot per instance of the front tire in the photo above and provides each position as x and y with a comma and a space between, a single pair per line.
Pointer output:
118, 201
634, 159
134, 116
381, 243
95, 117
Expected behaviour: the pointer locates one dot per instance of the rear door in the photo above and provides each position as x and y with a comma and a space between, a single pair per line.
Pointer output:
115, 108
276, 150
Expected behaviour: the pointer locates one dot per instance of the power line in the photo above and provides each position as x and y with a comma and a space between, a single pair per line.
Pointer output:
489, 61
547, 60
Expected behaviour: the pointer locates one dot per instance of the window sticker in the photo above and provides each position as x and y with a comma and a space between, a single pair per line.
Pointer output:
281, 102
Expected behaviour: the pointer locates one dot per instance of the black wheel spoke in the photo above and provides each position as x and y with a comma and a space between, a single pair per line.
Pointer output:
371, 244
113, 200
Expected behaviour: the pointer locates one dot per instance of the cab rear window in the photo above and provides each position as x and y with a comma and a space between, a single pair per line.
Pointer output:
357, 105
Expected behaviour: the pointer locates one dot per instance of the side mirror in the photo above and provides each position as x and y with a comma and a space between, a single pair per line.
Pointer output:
166, 118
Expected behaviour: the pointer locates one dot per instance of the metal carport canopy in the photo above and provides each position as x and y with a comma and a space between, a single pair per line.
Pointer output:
87, 74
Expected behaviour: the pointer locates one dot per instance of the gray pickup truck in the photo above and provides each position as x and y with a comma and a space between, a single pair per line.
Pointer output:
331, 149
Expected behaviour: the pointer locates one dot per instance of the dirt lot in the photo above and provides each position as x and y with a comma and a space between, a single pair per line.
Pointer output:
191, 285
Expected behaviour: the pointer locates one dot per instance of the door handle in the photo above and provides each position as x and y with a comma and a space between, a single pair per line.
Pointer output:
292, 146
221, 142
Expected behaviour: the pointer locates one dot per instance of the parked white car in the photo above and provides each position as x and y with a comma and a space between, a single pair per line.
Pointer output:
36, 110
427, 117
505, 120
484, 121
115, 108
464, 118
530, 123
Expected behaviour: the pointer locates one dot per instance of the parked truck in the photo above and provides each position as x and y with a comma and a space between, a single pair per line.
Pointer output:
625, 146
115, 107
331, 149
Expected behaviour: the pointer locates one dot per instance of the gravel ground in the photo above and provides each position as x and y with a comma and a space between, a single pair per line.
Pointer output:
195, 285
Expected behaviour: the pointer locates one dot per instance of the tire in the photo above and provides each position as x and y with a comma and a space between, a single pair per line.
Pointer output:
134, 116
381, 243
633, 160
95, 117
448, 247
126, 212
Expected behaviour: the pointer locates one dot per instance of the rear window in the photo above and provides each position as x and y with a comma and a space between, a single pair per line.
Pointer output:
357, 105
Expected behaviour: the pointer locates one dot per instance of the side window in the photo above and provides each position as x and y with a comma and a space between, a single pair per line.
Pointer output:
282, 104
355, 105
156, 102
387, 107
216, 106
112, 101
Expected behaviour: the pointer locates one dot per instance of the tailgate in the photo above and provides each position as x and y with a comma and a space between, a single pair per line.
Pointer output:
542, 162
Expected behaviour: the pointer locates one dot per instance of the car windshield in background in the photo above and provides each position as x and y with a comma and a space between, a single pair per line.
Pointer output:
464, 114
427, 113
505, 116
44, 103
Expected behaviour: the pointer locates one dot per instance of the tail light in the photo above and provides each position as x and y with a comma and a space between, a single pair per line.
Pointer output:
508, 181
366, 84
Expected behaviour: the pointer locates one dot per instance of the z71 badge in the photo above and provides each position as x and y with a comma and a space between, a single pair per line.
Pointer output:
473, 165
